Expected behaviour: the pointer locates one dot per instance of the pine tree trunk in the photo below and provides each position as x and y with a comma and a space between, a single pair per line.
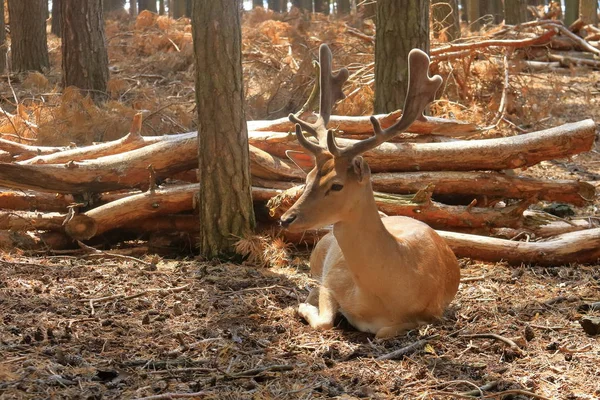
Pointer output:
112, 5
306, 5
274, 5
161, 7
133, 8
515, 11
225, 202
571, 11
3, 45
257, 3
84, 55
445, 17
29, 48
343, 7
474, 14
56, 26
497, 10
149, 5
400, 28
322, 6
177, 9
588, 11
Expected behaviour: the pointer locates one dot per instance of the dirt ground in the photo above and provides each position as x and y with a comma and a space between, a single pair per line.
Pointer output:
110, 327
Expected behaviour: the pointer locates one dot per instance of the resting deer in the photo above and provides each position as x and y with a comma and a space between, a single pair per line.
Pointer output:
385, 275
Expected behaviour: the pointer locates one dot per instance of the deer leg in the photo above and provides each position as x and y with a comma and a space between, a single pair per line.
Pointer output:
323, 316
388, 332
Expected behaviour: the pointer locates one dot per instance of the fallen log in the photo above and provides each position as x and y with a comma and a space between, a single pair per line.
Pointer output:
574, 247
22, 151
132, 208
29, 221
492, 184
418, 206
362, 124
486, 154
514, 43
129, 169
38, 241
34, 201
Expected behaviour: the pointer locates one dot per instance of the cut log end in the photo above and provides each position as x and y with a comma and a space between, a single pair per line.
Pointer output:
81, 227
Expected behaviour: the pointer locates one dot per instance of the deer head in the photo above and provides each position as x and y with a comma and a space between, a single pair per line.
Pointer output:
339, 184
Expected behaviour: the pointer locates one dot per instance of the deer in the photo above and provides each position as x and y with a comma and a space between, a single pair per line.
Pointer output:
385, 275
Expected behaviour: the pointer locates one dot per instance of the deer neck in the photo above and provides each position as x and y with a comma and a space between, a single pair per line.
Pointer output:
364, 240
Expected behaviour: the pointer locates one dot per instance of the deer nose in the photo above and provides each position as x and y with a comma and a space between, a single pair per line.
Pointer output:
285, 221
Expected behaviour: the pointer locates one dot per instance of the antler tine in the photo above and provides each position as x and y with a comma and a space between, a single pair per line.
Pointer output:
330, 92
421, 91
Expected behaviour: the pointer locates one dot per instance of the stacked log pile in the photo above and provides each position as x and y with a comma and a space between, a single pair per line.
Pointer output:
57, 196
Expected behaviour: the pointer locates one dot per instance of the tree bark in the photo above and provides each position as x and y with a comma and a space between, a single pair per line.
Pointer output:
133, 8
474, 13
571, 11
29, 48
225, 202
343, 7
515, 11
472, 185
258, 3
575, 247
112, 5
56, 27
493, 8
84, 54
401, 27
362, 125
445, 19
588, 11
322, 6
149, 5
161, 7
3, 44
178, 9
277, 5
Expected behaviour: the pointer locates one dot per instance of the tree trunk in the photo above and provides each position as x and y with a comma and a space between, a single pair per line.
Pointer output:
322, 6
149, 5
276, 5
474, 13
494, 9
369, 10
133, 8
161, 7
112, 5
84, 55
225, 201
258, 3
515, 11
400, 28
56, 26
445, 19
3, 45
178, 9
343, 7
571, 11
588, 11
29, 48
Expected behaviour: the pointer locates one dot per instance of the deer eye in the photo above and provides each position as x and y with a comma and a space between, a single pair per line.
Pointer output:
336, 187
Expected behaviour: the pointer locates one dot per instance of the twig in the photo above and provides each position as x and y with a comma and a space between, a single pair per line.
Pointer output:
515, 391
502, 107
174, 396
473, 279
251, 373
479, 391
99, 253
494, 336
411, 348
135, 295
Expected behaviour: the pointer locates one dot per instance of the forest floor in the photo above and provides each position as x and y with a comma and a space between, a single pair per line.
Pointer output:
109, 327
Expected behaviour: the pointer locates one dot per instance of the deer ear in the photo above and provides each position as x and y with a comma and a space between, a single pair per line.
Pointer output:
302, 160
361, 169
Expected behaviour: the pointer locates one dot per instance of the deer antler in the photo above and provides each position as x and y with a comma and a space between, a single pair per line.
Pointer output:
331, 91
421, 92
